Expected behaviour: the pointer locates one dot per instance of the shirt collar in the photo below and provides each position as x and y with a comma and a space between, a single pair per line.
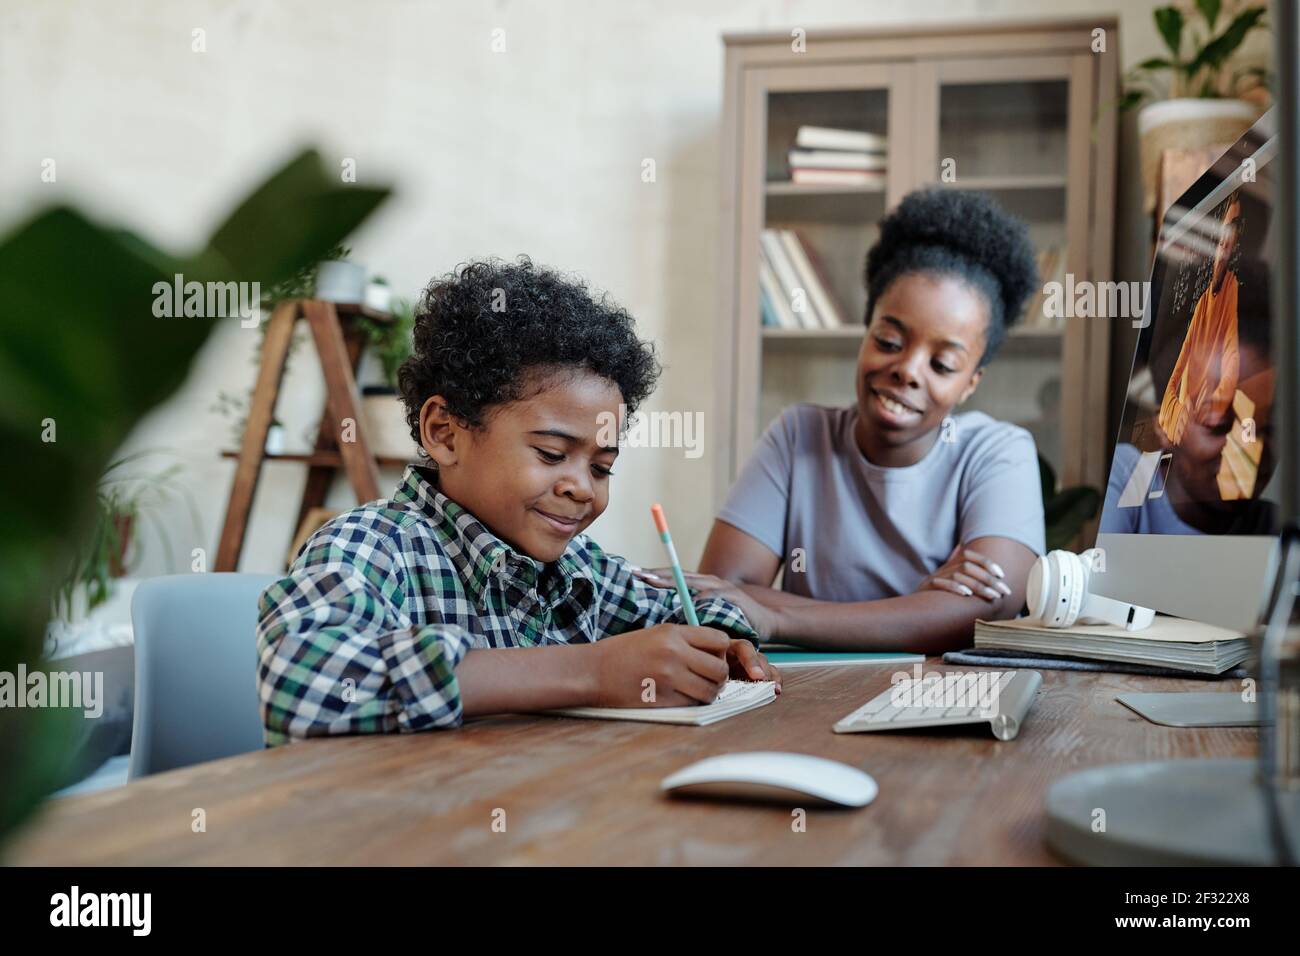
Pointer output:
478, 555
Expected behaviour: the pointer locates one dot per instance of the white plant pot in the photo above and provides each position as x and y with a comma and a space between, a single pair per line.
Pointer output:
379, 297
386, 427
341, 282
1187, 123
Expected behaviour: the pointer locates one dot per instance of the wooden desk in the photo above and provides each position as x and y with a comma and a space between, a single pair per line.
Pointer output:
586, 791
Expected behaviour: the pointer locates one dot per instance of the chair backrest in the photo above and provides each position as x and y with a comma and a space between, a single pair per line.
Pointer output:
195, 669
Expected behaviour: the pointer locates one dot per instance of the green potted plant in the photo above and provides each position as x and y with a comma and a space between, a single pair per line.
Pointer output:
390, 343
1197, 95
1066, 511
124, 502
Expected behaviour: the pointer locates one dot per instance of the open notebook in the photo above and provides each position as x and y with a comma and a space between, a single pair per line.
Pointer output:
736, 697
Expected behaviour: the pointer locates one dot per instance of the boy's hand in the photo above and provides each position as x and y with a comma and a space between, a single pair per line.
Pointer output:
748, 663
668, 665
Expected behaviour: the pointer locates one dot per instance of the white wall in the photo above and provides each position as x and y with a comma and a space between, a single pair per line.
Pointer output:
537, 150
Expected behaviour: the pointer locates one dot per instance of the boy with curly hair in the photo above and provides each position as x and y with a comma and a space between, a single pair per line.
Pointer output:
473, 590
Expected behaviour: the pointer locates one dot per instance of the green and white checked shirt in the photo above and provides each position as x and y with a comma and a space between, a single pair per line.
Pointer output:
365, 632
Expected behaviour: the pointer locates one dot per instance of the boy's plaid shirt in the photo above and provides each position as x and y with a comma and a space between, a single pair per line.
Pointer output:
382, 603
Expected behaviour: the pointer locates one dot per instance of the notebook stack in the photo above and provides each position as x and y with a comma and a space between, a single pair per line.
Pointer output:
1171, 642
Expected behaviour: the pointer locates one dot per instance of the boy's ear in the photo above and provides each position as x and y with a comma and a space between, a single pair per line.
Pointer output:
438, 431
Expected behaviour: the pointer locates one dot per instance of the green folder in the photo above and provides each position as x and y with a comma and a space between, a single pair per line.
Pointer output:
787, 655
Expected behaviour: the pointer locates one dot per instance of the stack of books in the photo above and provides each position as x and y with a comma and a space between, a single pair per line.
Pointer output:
837, 157
793, 291
1172, 642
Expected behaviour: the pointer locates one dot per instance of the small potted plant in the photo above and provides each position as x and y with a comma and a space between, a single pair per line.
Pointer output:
1196, 96
340, 280
235, 408
378, 296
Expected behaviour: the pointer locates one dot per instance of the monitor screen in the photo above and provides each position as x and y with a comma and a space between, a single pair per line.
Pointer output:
1195, 451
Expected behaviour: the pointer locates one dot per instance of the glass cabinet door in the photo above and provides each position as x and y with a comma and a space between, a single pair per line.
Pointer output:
1006, 128
829, 171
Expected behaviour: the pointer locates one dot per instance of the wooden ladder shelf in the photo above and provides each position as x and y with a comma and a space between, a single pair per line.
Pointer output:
338, 348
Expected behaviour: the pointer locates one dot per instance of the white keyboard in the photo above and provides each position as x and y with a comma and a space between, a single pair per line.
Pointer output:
1000, 698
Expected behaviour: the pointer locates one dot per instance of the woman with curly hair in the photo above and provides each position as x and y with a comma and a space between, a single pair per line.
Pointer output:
473, 589
896, 521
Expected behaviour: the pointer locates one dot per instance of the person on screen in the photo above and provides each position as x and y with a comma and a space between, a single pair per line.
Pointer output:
1180, 490
1204, 380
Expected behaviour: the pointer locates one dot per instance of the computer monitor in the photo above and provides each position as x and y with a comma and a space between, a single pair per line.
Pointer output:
1190, 519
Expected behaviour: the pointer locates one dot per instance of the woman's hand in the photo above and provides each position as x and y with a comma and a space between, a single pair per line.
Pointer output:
969, 573
761, 618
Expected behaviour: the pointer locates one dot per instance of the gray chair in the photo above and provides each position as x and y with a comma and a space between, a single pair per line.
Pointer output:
195, 670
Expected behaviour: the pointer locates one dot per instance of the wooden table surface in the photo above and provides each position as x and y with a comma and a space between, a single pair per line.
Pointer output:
572, 791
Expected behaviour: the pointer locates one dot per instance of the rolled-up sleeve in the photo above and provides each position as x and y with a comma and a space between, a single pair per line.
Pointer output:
337, 655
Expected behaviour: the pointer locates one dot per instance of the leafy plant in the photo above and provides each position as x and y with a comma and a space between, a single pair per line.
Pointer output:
83, 358
1065, 512
235, 407
300, 285
390, 341
1203, 70
123, 503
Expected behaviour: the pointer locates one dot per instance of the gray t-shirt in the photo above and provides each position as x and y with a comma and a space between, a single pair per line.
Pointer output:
865, 531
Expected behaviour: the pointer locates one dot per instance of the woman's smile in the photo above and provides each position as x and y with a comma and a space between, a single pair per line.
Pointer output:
892, 410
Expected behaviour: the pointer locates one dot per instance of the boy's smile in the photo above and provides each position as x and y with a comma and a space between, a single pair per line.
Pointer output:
534, 474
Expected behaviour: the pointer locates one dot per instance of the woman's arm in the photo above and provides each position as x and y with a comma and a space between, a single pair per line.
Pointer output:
732, 554
735, 556
929, 621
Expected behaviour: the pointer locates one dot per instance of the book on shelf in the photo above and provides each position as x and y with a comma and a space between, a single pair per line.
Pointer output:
837, 177
851, 140
813, 280
835, 159
794, 293
790, 272
1051, 268
769, 291
766, 307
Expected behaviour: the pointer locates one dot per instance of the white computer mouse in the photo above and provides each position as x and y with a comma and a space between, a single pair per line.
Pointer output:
775, 777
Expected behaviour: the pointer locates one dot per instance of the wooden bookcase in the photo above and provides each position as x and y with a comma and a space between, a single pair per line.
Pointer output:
1021, 110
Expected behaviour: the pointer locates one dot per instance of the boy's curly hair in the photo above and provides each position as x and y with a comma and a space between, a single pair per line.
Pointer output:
481, 328
962, 234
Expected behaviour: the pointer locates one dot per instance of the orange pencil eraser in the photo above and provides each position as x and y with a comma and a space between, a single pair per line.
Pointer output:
661, 523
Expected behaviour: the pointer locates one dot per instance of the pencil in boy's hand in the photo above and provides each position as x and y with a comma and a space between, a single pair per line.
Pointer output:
683, 592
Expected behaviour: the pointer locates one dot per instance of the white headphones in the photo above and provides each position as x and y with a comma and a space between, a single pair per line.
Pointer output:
1057, 594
